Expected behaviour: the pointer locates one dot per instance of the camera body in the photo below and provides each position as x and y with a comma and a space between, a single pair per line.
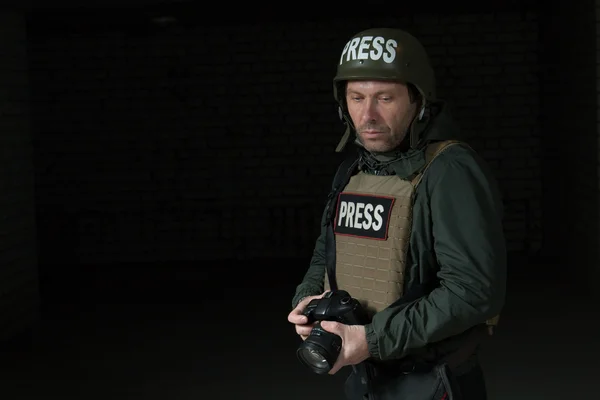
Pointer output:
321, 349
336, 306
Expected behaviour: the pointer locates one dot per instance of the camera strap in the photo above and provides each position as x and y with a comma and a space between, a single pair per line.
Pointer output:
340, 180
330, 257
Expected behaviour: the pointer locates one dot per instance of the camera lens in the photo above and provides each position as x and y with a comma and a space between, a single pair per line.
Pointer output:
314, 358
320, 350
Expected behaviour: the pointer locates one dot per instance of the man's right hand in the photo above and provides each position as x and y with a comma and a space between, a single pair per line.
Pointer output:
300, 321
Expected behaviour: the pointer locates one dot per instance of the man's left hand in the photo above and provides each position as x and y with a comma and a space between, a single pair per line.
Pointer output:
354, 344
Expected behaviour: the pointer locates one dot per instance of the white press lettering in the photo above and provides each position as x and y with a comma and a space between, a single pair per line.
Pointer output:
377, 51
350, 215
343, 208
364, 45
369, 48
344, 52
390, 46
358, 215
368, 219
351, 55
378, 211
361, 215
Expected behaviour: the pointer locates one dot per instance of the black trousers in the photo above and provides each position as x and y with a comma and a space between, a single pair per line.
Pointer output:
472, 384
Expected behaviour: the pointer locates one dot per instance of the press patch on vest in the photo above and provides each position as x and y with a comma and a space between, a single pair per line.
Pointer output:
364, 216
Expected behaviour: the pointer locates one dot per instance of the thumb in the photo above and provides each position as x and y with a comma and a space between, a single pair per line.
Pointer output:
332, 326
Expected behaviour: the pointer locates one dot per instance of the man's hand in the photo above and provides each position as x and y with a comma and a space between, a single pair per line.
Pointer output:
303, 328
354, 344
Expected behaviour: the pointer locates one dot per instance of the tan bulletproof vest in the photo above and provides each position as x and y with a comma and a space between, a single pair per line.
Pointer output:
372, 232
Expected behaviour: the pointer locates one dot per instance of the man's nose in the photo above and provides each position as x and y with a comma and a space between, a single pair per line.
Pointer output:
370, 111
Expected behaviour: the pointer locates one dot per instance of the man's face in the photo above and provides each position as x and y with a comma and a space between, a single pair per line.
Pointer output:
381, 113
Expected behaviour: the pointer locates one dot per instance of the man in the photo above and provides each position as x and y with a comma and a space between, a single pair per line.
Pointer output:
415, 228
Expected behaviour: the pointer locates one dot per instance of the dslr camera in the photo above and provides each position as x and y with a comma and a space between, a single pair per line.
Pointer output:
321, 349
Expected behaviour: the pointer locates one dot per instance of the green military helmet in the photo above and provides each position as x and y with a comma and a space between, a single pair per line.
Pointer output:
383, 54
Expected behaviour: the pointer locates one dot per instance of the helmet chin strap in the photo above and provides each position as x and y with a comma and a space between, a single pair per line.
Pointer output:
418, 125
349, 129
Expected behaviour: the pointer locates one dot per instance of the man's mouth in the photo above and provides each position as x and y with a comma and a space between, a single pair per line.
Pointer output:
371, 134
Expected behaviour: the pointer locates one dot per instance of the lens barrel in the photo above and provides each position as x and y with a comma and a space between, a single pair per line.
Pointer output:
320, 350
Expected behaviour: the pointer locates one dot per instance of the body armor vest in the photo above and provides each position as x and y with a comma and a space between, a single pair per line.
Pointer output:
372, 232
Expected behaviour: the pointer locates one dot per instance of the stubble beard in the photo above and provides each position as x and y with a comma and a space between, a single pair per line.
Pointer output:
386, 143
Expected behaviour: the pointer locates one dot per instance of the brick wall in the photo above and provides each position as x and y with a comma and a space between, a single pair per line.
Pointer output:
487, 67
570, 149
193, 143
18, 269
594, 266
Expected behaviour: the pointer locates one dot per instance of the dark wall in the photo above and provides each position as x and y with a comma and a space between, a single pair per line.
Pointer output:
211, 139
570, 130
191, 142
18, 260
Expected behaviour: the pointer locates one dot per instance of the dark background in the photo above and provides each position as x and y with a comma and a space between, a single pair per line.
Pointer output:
164, 169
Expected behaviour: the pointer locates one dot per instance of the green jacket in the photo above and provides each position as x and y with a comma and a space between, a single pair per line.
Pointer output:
457, 238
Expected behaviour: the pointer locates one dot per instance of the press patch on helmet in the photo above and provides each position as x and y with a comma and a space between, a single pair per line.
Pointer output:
363, 216
370, 48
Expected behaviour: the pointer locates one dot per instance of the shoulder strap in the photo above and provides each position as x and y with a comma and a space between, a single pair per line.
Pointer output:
340, 179
344, 172
431, 152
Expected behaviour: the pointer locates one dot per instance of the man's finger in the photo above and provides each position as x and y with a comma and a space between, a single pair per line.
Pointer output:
296, 318
339, 363
303, 330
332, 326
336, 367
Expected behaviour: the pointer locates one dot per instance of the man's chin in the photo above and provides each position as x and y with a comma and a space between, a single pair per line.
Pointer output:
377, 147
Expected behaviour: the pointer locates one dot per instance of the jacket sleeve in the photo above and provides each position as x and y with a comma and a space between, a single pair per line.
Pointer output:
468, 241
313, 282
